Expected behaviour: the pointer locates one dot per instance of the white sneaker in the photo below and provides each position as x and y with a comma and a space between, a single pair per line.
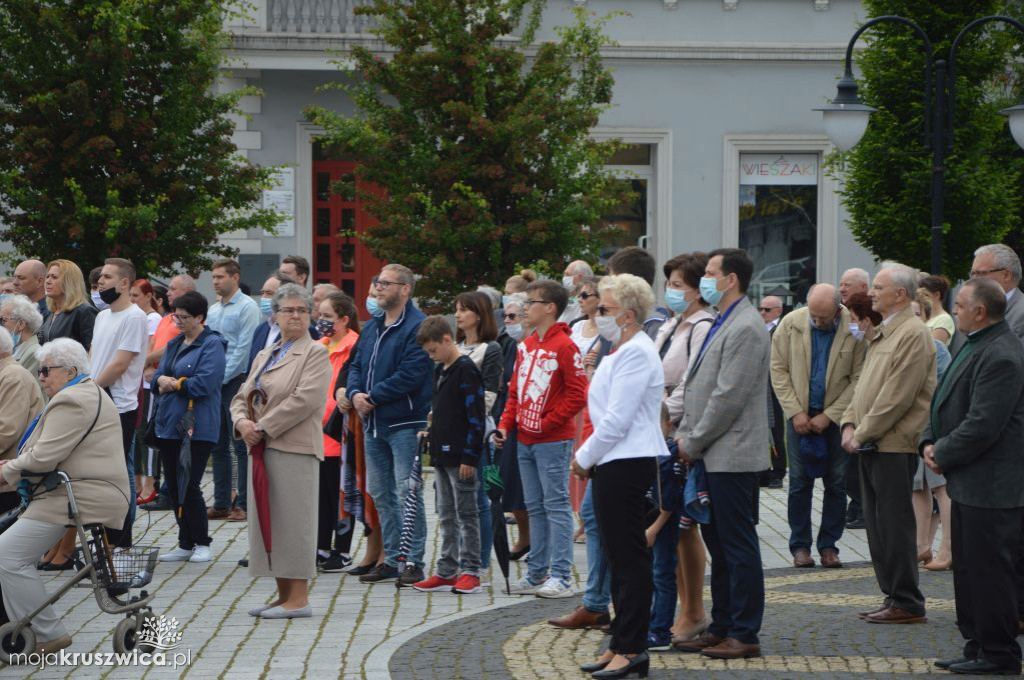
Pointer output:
555, 588
176, 555
525, 587
201, 553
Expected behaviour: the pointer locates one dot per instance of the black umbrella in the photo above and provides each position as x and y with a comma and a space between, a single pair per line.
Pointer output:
186, 426
495, 486
409, 509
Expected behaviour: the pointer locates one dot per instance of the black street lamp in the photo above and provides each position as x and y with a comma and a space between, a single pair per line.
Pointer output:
846, 117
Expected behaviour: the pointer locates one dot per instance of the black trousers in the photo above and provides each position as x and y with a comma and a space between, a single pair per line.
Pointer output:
737, 577
329, 505
193, 525
855, 509
887, 484
619, 506
122, 538
986, 543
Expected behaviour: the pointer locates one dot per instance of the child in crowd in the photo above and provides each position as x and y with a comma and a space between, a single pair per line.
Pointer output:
456, 442
662, 536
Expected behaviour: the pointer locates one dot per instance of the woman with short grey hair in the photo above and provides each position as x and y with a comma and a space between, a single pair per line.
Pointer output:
292, 290
21, 317
65, 353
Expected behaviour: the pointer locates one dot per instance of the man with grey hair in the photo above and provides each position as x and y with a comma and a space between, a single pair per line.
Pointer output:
853, 281
881, 428
28, 280
22, 319
574, 273
389, 384
1000, 263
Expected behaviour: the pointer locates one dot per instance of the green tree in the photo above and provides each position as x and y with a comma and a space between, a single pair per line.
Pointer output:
888, 173
479, 141
113, 141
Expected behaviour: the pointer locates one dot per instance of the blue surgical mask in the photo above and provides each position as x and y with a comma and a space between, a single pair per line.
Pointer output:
709, 290
515, 331
504, 300
372, 307
266, 306
676, 300
16, 337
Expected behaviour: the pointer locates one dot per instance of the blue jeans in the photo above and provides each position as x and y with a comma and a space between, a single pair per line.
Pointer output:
663, 604
599, 576
389, 458
801, 489
544, 469
227, 450
483, 506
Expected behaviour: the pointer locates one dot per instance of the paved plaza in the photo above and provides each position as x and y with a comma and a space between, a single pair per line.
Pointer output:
377, 632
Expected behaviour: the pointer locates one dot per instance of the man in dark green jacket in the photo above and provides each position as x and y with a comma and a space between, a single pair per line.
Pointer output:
974, 439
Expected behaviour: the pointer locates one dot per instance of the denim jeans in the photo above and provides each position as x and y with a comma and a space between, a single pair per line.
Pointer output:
389, 458
483, 506
599, 577
801, 488
457, 523
544, 469
663, 604
226, 448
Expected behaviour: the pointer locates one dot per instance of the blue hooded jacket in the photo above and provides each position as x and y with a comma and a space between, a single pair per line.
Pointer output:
393, 370
202, 364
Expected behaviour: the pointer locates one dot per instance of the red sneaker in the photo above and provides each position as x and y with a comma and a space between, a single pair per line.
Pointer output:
467, 584
433, 583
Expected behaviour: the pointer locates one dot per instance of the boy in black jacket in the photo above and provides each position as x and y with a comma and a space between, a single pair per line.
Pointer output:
456, 443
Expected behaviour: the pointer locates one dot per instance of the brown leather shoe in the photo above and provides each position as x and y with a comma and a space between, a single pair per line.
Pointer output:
802, 559
217, 513
830, 559
896, 615
582, 618
731, 648
236, 515
699, 644
864, 615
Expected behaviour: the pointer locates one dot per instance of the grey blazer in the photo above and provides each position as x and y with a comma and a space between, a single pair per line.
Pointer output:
726, 412
1015, 314
981, 424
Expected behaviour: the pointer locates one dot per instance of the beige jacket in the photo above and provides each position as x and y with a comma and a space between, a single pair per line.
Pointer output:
890, 403
96, 466
791, 365
21, 401
296, 388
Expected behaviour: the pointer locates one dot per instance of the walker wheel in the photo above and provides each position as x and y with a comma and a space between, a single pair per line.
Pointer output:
125, 638
22, 643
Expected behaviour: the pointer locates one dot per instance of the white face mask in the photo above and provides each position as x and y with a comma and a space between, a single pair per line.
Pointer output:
99, 303
856, 331
568, 283
609, 328
515, 331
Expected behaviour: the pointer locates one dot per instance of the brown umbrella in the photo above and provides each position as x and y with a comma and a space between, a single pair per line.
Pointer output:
259, 475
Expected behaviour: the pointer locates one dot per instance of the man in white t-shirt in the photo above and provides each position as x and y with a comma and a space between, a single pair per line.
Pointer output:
119, 342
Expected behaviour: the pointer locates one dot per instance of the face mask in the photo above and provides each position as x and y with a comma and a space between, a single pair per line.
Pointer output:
709, 290
266, 306
856, 331
515, 331
97, 300
504, 300
372, 307
568, 283
676, 300
325, 327
608, 328
109, 295
16, 337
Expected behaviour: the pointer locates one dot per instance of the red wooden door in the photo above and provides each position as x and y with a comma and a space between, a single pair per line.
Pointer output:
339, 257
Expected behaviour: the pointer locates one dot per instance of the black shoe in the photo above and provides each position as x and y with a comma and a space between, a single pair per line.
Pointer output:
775, 484
946, 663
519, 554
639, 664
243, 562
594, 667
410, 575
982, 667
162, 502
359, 569
380, 574
336, 562
66, 565
858, 523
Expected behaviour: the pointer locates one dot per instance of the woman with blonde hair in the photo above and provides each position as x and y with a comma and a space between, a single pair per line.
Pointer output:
71, 313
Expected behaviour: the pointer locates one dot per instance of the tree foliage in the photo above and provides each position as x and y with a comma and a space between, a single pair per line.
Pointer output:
113, 141
888, 174
480, 142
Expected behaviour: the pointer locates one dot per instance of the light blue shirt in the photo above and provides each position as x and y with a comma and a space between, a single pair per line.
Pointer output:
236, 320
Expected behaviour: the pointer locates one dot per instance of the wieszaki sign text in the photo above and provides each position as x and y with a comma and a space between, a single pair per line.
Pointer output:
759, 168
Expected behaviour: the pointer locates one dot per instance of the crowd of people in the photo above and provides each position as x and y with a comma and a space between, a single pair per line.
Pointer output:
579, 400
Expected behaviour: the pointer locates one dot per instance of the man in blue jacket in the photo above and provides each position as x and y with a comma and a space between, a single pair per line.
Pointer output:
389, 386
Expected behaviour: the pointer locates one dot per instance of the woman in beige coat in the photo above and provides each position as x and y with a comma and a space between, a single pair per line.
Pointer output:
295, 374
78, 432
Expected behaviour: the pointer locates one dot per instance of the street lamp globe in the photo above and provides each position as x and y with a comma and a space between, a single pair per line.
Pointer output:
1016, 116
846, 117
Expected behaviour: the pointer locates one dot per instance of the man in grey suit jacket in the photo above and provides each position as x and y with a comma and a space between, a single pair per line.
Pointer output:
725, 425
974, 438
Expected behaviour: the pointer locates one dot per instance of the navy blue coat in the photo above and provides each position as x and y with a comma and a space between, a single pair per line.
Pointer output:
202, 364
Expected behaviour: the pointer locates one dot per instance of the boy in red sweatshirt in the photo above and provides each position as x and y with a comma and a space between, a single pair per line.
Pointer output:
546, 392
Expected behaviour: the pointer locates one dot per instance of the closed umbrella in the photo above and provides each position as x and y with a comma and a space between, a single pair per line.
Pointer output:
410, 508
495, 486
186, 426
260, 491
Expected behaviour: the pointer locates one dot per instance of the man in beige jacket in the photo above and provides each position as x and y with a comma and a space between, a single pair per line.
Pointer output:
815, 365
881, 427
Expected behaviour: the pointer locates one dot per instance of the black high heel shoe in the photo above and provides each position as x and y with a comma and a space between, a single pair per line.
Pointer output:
67, 564
594, 667
639, 664
518, 554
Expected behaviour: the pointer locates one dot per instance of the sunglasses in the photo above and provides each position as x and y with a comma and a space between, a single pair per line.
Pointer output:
511, 316
767, 309
45, 370
587, 296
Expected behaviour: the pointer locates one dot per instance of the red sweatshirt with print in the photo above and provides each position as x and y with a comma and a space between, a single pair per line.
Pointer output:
548, 389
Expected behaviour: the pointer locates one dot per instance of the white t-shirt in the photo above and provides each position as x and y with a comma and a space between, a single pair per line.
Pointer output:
154, 320
127, 330
582, 342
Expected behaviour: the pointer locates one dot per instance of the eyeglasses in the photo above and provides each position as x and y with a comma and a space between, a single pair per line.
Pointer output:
180, 318
45, 370
536, 302
587, 296
975, 273
603, 310
5, 319
292, 311
767, 309
512, 316
380, 283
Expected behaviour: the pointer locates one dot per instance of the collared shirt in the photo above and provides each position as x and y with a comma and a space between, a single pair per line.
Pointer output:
274, 334
821, 347
236, 320
772, 324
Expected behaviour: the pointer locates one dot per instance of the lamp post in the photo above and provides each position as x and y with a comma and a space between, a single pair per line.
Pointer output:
846, 116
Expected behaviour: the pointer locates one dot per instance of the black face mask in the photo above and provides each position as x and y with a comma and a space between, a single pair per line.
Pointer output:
109, 295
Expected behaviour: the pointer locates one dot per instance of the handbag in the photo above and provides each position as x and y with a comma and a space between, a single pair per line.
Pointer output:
149, 438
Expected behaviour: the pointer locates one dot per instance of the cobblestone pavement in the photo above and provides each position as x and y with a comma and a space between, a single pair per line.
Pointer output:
377, 632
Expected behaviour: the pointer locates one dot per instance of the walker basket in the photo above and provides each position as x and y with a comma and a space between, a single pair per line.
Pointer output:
123, 569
